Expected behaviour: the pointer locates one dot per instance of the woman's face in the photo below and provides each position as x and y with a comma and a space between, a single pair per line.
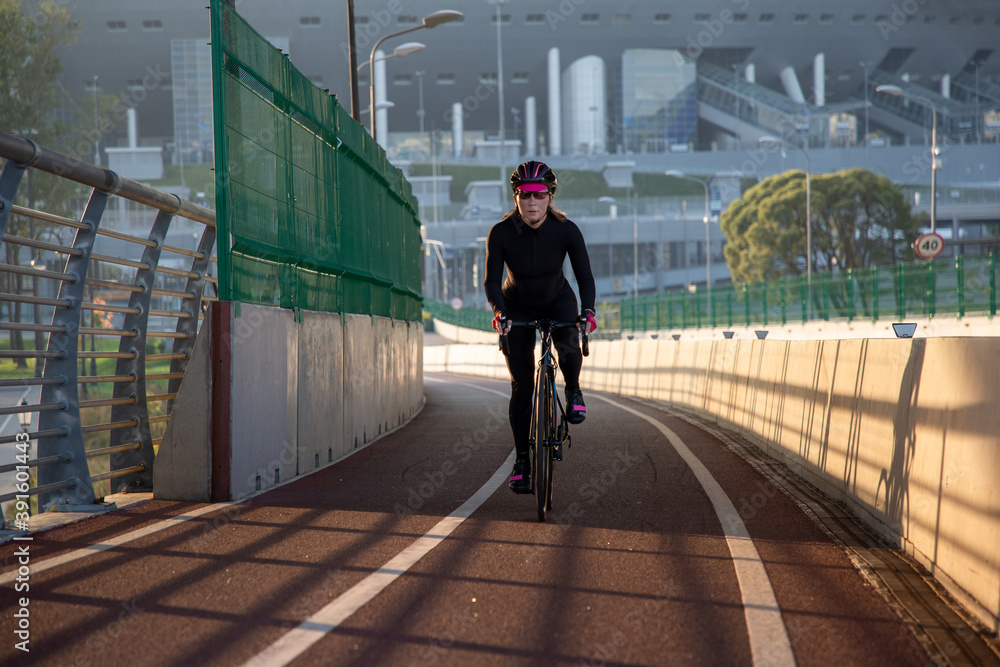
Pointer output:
533, 206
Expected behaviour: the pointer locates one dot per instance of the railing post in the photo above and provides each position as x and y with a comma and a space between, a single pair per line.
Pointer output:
64, 368
960, 284
746, 302
135, 365
763, 301
729, 304
993, 285
875, 294
931, 300
850, 295
804, 300
784, 301
824, 279
10, 179
900, 293
190, 306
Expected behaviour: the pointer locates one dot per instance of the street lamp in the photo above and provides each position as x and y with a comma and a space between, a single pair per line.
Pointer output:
674, 173
896, 91
500, 98
438, 247
635, 243
24, 418
866, 64
399, 52
809, 261
429, 21
385, 104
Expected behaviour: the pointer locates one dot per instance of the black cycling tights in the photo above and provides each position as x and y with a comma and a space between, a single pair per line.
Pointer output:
521, 364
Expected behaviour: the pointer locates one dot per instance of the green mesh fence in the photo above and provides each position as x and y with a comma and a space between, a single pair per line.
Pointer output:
935, 288
311, 214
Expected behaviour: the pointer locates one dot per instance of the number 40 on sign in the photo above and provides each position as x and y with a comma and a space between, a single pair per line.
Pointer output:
929, 246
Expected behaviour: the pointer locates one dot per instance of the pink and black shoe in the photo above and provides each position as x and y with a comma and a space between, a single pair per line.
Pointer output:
520, 476
576, 410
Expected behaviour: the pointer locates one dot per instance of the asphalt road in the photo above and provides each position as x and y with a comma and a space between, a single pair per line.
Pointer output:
664, 547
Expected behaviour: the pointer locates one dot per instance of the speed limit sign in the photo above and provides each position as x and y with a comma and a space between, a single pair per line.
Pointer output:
929, 246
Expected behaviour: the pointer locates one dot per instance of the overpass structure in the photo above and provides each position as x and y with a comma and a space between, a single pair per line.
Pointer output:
279, 530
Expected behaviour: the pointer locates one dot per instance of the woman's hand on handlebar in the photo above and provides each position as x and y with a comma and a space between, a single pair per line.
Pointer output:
501, 324
587, 324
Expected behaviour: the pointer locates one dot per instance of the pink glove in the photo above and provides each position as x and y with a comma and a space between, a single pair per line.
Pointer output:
501, 324
587, 324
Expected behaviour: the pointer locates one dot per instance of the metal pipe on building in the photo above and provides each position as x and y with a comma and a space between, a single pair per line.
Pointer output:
554, 138
819, 79
381, 114
790, 81
530, 127
457, 130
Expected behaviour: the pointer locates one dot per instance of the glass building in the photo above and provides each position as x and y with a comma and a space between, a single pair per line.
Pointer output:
659, 100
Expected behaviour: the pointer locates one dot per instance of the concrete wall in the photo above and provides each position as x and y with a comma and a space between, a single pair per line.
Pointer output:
306, 389
906, 432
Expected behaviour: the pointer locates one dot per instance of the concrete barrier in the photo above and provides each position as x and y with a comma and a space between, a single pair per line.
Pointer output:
906, 432
272, 393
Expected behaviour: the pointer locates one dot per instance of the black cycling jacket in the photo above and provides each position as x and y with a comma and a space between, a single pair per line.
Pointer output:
534, 259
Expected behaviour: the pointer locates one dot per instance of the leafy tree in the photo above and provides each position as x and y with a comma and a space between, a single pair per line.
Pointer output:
859, 219
29, 94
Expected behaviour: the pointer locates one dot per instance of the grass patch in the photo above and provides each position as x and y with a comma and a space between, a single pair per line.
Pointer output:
573, 183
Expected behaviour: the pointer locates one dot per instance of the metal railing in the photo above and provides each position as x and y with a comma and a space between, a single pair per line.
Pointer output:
959, 287
94, 415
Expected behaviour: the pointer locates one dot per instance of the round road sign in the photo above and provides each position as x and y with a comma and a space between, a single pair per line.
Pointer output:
456, 303
929, 246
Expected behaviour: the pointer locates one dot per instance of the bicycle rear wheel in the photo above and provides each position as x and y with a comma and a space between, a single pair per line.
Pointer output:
544, 427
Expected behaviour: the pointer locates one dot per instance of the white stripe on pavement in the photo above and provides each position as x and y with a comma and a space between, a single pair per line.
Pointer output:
77, 554
317, 626
769, 644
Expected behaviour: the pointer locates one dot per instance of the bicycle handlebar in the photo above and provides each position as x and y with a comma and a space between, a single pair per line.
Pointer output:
543, 324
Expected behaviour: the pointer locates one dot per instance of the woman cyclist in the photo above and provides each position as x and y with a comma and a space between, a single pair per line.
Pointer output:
533, 241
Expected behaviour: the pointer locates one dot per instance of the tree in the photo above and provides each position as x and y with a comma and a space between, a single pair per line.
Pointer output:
29, 95
859, 219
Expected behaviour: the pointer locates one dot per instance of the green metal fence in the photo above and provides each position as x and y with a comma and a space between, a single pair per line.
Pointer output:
935, 288
311, 214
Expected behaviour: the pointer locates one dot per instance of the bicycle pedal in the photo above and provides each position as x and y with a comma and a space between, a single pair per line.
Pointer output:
557, 453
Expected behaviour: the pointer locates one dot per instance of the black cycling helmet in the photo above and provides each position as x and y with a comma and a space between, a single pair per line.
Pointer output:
533, 172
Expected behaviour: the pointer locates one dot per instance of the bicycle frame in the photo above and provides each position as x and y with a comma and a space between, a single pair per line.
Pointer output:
549, 427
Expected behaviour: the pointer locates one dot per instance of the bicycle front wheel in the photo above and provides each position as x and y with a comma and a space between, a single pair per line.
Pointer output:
544, 427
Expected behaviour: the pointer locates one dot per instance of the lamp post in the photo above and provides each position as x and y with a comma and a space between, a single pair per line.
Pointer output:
635, 243
674, 173
429, 21
97, 133
502, 128
379, 106
438, 247
400, 51
779, 142
865, 64
24, 418
896, 91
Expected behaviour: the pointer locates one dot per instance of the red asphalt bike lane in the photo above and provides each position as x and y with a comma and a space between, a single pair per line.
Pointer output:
632, 567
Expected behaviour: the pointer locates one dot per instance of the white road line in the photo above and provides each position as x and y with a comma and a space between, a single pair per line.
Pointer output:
317, 626
769, 644
71, 556
50, 563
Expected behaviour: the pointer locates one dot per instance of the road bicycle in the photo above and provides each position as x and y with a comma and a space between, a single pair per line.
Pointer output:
548, 434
